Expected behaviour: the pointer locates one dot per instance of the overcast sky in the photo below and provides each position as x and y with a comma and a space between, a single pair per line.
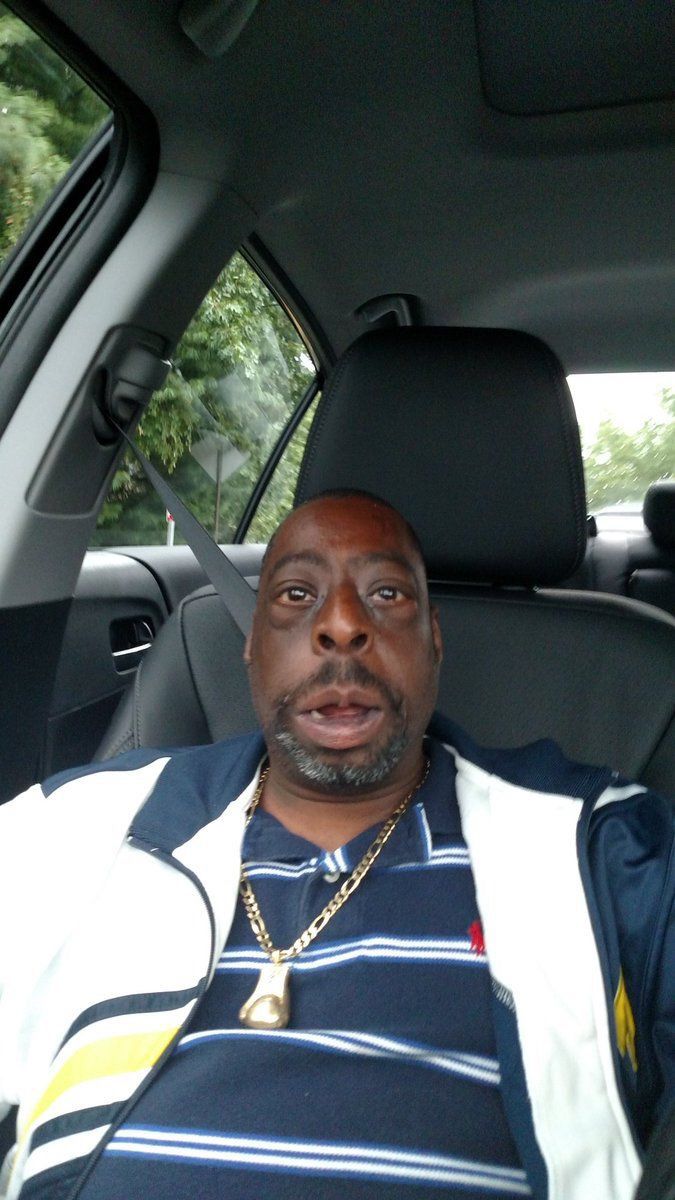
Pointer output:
629, 399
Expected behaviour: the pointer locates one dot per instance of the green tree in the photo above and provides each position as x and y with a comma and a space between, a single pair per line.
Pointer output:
47, 114
238, 372
620, 466
278, 499
240, 368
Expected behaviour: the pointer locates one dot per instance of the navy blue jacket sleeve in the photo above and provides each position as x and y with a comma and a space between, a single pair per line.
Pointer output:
632, 861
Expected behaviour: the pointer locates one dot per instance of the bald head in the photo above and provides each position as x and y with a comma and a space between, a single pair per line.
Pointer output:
349, 494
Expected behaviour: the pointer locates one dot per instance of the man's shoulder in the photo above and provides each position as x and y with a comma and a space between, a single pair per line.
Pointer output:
132, 760
188, 760
540, 766
195, 787
168, 794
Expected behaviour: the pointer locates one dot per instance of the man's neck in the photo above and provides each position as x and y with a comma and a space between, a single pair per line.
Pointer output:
330, 821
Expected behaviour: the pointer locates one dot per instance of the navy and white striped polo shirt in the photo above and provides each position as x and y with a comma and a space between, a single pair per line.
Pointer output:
384, 1085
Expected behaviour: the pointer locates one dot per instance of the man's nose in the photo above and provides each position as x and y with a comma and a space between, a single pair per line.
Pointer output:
343, 622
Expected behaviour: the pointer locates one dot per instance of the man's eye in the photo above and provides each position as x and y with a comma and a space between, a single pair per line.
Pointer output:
294, 595
388, 593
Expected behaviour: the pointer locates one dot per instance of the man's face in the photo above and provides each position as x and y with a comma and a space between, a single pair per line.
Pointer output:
344, 651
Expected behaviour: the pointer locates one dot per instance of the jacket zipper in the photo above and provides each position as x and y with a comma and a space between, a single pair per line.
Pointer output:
93, 1158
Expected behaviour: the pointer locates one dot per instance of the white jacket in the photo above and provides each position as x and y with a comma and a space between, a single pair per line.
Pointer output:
118, 886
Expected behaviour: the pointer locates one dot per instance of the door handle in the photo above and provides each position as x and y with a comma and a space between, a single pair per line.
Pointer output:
130, 638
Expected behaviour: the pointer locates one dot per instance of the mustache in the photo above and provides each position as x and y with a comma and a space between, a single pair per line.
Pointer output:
332, 674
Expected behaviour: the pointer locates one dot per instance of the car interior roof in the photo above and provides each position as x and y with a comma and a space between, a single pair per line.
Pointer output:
361, 140
356, 151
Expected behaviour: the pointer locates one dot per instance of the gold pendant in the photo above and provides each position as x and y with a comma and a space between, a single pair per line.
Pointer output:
268, 1006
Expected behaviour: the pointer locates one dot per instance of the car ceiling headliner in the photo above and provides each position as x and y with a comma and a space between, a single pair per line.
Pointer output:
360, 136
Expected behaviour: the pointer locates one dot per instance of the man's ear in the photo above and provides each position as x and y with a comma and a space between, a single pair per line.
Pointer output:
436, 635
247, 650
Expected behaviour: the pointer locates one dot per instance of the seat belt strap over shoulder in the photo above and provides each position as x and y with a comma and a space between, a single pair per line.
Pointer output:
132, 363
236, 594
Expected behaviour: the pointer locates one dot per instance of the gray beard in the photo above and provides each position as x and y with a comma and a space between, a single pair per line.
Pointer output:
342, 777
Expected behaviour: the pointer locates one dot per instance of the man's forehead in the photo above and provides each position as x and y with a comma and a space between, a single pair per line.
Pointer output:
342, 525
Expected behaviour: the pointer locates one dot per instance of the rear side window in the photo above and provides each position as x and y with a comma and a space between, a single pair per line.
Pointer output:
239, 372
47, 115
627, 427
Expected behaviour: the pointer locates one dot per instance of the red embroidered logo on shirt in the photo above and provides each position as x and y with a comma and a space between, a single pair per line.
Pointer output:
475, 932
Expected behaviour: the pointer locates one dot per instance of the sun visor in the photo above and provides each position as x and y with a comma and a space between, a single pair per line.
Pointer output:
573, 54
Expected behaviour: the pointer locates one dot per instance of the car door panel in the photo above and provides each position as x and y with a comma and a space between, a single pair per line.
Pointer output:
117, 607
30, 637
121, 600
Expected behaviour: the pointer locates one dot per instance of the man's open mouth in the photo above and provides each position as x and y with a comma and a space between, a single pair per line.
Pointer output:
339, 722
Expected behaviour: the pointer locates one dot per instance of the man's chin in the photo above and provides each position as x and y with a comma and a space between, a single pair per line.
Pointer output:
337, 770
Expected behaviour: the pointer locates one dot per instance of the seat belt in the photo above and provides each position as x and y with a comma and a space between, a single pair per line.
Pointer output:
236, 594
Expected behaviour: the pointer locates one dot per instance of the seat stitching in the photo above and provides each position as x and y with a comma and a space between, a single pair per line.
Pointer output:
191, 600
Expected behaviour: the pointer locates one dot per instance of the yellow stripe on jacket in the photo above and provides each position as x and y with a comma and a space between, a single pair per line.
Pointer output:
110, 1056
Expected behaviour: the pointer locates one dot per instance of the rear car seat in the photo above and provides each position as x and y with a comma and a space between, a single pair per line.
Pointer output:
640, 565
651, 560
471, 433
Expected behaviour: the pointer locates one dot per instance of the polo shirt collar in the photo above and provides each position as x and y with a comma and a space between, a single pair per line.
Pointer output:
432, 816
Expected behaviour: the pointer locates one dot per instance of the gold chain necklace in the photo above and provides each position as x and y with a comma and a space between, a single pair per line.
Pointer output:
268, 1006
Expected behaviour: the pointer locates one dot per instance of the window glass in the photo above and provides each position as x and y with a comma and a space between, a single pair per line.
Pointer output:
47, 114
277, 501
238, 373
627, 427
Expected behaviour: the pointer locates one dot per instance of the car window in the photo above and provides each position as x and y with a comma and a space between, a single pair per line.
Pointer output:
627, 424
238, 374
47, 115
277, 500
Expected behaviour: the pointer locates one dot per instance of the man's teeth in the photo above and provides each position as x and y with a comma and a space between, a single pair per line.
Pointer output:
336, 710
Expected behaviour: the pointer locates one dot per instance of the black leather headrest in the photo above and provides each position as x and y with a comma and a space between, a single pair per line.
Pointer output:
472, 435
658, 512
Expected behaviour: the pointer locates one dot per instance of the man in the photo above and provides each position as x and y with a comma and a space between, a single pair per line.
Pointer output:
416, 981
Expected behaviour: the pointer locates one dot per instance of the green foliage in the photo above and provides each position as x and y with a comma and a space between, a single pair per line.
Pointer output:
620, 466
47, 114
238, 372
240, 368
278, 499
